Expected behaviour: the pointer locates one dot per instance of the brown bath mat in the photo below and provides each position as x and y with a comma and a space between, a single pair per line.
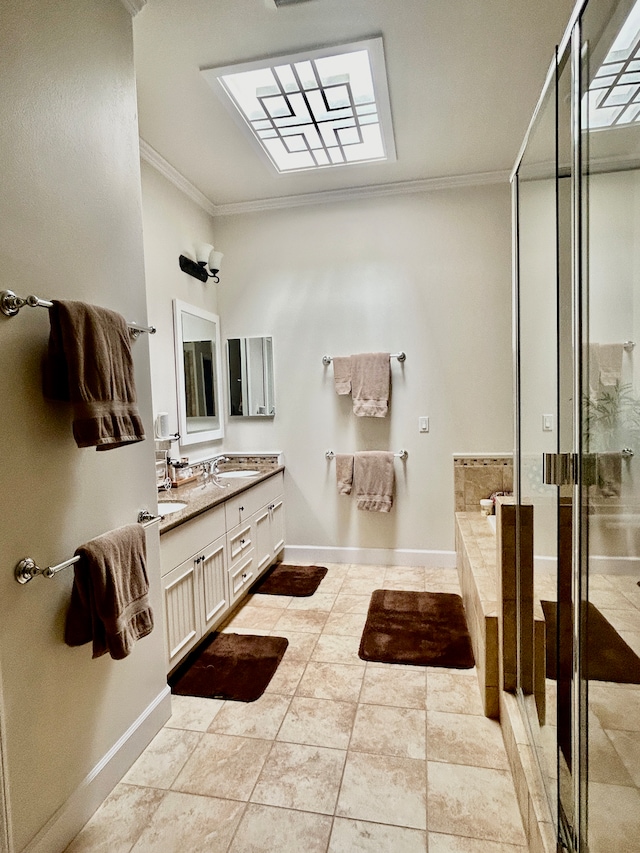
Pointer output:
230, 666
419, 628
300, 581
608, 657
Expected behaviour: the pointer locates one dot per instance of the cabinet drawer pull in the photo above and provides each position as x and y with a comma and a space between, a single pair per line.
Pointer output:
243, 541
241, 508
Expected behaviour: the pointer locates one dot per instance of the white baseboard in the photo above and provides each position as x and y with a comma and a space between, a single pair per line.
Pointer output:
598, 565
72, 815
370, 556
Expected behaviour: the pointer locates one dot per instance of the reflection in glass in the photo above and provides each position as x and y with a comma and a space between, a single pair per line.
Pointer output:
251, 384
197, 373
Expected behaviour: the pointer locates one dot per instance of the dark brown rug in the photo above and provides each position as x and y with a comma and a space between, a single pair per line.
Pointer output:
230, 666
607, 656
419, 628
299, 581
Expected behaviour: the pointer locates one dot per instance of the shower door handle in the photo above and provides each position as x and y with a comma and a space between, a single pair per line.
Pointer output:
559, 469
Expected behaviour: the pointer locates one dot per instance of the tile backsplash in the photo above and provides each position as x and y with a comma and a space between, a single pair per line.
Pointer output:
477, 477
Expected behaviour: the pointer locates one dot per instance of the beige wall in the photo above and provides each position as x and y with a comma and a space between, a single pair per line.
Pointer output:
71, 229
173, 226
426, 273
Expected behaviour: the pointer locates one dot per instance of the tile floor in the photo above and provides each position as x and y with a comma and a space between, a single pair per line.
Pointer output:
339, 755
614, 724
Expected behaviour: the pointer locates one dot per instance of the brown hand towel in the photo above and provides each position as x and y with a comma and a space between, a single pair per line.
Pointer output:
374, 479
344, 472
609, 471
109, 599
89, 363
342, 374
370, 384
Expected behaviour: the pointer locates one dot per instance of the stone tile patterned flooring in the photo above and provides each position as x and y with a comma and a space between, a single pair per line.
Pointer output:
339, 755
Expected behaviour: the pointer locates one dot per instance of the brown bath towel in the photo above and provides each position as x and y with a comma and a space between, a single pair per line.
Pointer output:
344, 472
342, 374
109, 599
609, 470
370, 384
89, 363
374, 479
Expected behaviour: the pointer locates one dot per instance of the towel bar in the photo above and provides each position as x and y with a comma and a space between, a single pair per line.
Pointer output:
401, 356
403, 454
10, 304
27, 569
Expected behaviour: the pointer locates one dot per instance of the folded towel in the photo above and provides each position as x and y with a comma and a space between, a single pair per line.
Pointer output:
342, 374
370, 384
610, 363
109, 599
609, 473
89, 363
344, 472
594, 369
374, 479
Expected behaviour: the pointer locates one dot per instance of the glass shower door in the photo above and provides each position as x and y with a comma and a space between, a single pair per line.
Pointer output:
610, 422
537, 187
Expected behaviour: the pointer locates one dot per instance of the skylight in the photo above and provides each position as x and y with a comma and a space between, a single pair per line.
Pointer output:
313, 110
614, 93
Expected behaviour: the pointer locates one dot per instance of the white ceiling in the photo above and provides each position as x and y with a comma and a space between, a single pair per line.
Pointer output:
464, 77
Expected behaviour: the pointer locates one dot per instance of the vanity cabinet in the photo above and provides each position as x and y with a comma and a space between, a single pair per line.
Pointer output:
210, 562
255, 519
195, 594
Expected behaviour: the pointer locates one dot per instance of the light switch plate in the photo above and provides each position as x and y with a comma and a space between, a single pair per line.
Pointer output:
423, 424
547, 423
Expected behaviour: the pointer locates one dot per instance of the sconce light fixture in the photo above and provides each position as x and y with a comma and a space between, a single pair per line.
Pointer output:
207, 264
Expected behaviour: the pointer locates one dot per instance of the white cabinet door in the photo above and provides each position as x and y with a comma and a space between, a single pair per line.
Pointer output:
263, 539
182, 614
277, 525
214, 599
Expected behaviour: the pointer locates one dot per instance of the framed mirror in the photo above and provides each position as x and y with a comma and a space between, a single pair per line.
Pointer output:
198, 373
251, 384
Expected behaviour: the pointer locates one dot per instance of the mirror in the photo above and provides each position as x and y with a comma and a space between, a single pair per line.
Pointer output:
198, 373
251, 393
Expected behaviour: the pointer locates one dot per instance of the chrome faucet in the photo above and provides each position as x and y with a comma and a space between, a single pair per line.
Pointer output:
213, 464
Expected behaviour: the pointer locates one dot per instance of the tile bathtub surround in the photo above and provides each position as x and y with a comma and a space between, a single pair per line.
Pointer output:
477, 477
338, 755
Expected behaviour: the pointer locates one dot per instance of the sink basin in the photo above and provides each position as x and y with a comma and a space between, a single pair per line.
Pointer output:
167, 507
236, 475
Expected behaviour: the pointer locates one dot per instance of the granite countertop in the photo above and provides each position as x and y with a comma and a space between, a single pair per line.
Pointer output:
201, 495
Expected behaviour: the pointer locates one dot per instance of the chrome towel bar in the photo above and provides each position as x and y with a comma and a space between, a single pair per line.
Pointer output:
401, 356
403, 454
27, 569
10, 304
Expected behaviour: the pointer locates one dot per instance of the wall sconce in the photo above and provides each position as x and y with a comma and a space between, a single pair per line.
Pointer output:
207, 265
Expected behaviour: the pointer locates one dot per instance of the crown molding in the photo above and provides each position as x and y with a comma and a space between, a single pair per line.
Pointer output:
151, 156
354, 193
133, 6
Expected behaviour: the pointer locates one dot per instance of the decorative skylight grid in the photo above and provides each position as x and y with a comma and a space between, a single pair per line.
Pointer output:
313, 111
614, 93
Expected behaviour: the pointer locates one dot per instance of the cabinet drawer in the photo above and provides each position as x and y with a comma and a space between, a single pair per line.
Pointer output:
239, 541
191, 537
240, 507
241, 576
